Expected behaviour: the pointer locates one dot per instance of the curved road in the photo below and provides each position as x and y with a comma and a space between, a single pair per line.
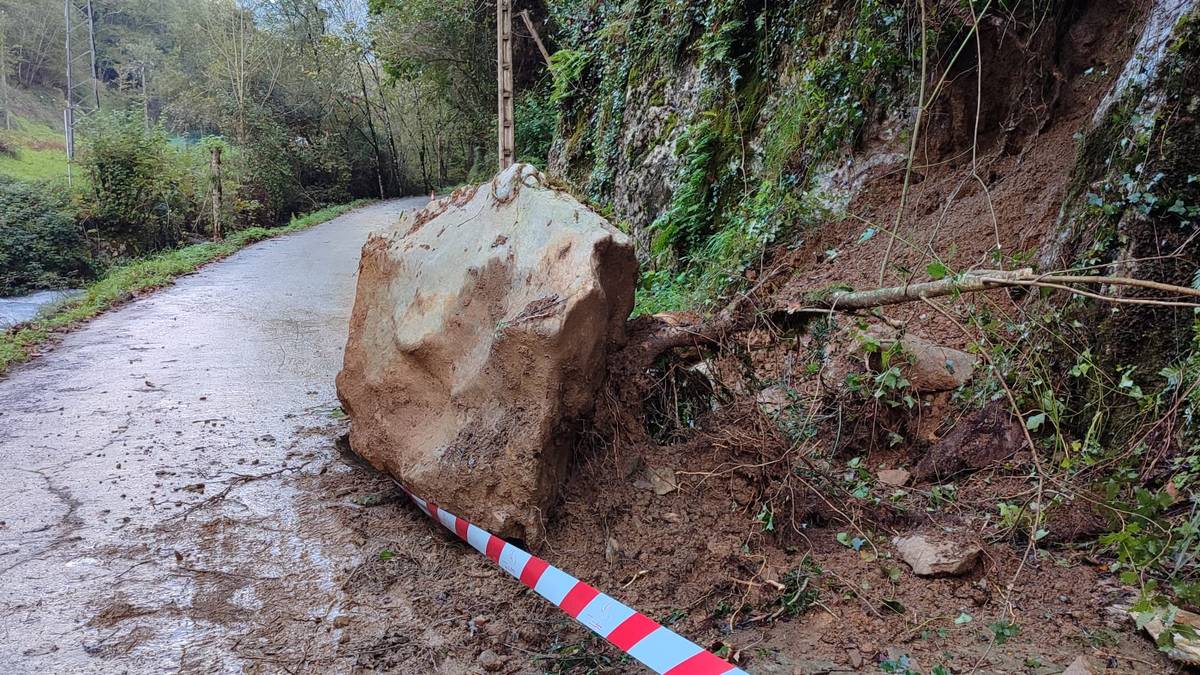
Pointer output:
150, 518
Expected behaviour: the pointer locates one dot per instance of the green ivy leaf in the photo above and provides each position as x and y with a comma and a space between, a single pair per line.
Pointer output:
936, 270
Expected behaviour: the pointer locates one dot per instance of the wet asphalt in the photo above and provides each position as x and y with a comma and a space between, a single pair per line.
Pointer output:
145, 509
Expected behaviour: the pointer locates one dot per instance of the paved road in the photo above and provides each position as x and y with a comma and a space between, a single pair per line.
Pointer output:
149, 463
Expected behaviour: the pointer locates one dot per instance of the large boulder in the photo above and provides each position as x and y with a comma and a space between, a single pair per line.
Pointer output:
478, 342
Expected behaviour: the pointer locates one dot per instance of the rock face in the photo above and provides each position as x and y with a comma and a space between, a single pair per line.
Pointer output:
478, 341
930, 556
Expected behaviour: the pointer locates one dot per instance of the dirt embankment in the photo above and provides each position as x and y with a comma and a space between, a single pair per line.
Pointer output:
760, 523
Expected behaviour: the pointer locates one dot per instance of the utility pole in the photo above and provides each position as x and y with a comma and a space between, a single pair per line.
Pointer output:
79, 105
69, 112
504, 81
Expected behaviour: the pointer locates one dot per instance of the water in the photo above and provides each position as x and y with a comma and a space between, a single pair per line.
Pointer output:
25, 307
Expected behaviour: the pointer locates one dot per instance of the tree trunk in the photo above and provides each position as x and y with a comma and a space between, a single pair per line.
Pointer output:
387, 120
985, 280
371, 125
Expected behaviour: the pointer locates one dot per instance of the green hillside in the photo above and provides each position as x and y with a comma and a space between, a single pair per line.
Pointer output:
32, 151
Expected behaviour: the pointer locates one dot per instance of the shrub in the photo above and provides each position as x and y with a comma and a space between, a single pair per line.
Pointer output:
535, 120
280, 174
132, 179
40, 244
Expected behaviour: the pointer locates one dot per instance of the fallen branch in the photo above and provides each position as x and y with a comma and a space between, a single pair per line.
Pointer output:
983, 280
652, 336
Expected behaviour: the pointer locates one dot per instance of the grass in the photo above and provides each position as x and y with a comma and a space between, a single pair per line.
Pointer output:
36, 152
124, 282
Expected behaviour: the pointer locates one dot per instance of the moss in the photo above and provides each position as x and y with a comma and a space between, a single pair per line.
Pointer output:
658, 93
822, 294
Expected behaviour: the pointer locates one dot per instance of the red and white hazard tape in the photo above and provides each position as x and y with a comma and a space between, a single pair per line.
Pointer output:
657, 647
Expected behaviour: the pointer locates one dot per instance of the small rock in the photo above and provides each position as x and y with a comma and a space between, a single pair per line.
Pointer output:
907, 661
932, 367
672, 517
930, 557
1185, 650
341, 621
856, 658
661, 481
894, 477
489, 660
1079, 666
978, 441
612, 551
772, 400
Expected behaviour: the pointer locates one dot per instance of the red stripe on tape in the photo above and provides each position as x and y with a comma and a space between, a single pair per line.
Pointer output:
631, 631
460, 528
534, 567
703, 663
494, 546
578, 598
432, 509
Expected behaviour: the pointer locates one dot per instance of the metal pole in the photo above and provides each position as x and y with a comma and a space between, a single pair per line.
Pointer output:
68, 114
504, 83
92, 43
70, 140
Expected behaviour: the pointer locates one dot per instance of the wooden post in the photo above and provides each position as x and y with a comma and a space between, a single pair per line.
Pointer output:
536, 38
215, 170
504, 82
145, 100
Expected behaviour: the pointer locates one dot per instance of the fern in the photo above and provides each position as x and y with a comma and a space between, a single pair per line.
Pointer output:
566, 67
